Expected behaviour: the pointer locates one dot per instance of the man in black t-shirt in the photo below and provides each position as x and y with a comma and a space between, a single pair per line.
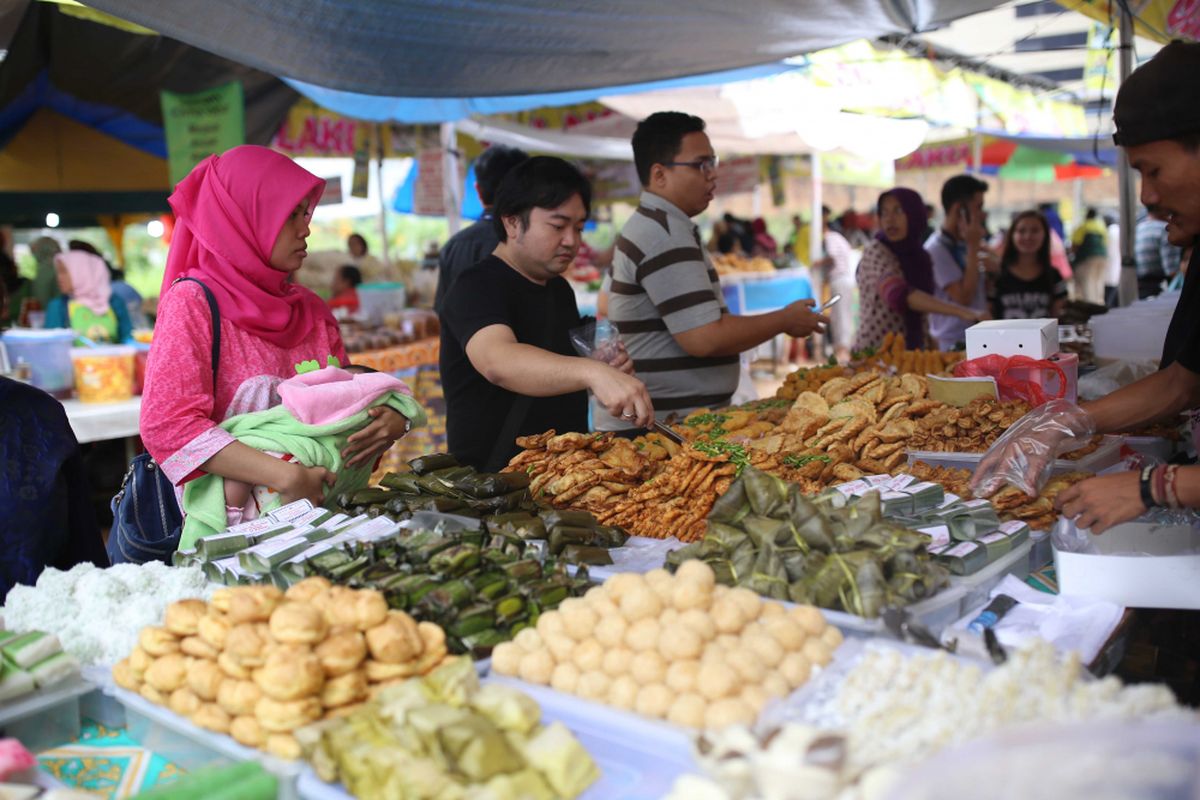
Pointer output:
508, 367
1157, 119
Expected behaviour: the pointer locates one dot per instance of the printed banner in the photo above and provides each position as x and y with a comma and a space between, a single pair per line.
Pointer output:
200, 124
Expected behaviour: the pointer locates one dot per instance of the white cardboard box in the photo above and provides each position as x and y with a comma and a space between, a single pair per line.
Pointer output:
1169, 577
1036, 338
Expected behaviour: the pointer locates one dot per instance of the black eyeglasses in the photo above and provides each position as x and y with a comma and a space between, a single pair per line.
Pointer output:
706, 164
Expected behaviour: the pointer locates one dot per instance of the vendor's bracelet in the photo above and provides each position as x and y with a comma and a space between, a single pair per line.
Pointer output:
1171, 495
1158, 485
1145, 485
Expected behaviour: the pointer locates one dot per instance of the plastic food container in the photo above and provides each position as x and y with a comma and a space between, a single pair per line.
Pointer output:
375, 300
46, 718
1104, 456
48, 353
103, 374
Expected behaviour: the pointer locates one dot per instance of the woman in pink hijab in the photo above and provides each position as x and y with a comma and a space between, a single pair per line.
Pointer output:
242, 220
86, 304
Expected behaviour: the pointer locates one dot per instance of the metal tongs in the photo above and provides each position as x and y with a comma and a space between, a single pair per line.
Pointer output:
900, 623
666, 431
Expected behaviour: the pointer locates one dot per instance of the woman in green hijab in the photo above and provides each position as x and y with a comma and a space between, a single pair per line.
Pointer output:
45, 283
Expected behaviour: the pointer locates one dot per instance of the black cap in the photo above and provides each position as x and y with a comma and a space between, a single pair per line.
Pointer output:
1161, 99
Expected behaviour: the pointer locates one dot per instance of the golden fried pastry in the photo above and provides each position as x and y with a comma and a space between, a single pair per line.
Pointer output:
139, 661
342, 711
184, 702
221, 600
168, 673
246, 730
396, 640
278, 716
233, 668
213, 628
153, 695
125, 676
378, 688
238, 698
431, 659
196, 647
212, 717
348, 688
183, 616
204, 678
307, 589
158, 641
380, 672
432, 635
247, 643
286, 676
342, 652
298, 623
283, 745
253, 603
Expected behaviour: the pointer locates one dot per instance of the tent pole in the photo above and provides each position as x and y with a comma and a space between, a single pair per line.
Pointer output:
450, 179
815, 237
1127, 290
383, 227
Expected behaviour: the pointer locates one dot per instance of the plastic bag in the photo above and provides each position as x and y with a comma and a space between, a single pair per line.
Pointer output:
1024, 455
1005, 369
597, 339
1111, 377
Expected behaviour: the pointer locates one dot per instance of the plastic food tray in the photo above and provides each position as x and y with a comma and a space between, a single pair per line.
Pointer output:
45, 718
1106, 455
639, 759
176, 739
1155, 446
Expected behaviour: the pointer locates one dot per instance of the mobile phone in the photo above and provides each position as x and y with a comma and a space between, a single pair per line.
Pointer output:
833, 300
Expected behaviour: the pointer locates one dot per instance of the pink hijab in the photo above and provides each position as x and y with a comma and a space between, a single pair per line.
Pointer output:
229, 211
91, 285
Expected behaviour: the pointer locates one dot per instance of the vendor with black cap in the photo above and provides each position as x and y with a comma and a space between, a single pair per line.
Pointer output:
1157, 120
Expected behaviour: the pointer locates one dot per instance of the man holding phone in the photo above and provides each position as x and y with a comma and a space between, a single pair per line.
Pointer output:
960, 258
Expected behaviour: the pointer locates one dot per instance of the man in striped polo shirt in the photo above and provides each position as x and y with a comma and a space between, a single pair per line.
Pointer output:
666, 300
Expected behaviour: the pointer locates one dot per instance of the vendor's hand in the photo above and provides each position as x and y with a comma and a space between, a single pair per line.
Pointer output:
971, 315
386, 427
1104, 501
801, 321
306, 483
622, 361
990, 261
624, 396
972, 228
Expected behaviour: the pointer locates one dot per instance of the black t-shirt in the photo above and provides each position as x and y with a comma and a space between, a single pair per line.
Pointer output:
462, 251
1183, 337
1015, 298
493, 293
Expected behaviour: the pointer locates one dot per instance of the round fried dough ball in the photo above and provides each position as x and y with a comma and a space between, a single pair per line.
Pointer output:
536, 667
682, 676
610, 631
775, 685
701, 622
795, 669
565, 677
696, 571
748, 666
617, 661
756, 697
550, 623
688, 595
640, 602
648, 667
679, 642
561, 646
506, 658
622, 692
772, 610
759, 642
668, 617
620, 584
579, 620
749, 601
589, 655
786, 631
688, 709
832, 637
643, 635
528, 640
810, 618
728, 616
593, 685
716, 679
654, 700
816, 651
730, 711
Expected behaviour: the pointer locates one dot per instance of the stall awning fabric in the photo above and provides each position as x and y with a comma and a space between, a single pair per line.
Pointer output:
480, 48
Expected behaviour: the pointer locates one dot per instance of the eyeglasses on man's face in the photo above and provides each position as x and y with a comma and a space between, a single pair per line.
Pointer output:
706, 164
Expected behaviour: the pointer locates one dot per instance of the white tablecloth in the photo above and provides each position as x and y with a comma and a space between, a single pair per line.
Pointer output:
97, 422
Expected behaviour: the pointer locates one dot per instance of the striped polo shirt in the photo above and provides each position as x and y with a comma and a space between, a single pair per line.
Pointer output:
662, 285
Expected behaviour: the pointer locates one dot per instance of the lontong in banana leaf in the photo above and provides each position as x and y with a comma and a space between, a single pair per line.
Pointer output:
731, 506
768, 576
865, 594
766, 494
917, 582
426, 464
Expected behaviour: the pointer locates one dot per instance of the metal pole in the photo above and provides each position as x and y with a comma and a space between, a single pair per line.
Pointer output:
1127, 290
450, 180
816, 246
383, 227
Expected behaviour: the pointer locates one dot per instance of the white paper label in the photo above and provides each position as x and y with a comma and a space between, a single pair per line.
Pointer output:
348, 522
978, 503
998, 536
312, 517
900, 482
922, 487
380, 526
940, 535
291, 511
951, 499
962, 550
1015, 526
273, 546
854, 488
256, 526
878, 480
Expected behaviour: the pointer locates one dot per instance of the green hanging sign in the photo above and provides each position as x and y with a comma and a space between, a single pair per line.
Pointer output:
200, 124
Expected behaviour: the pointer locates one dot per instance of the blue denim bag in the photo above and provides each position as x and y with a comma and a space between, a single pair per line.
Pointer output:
147, 521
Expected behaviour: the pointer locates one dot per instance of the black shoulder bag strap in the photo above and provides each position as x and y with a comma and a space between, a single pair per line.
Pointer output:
520, 407
215, 313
